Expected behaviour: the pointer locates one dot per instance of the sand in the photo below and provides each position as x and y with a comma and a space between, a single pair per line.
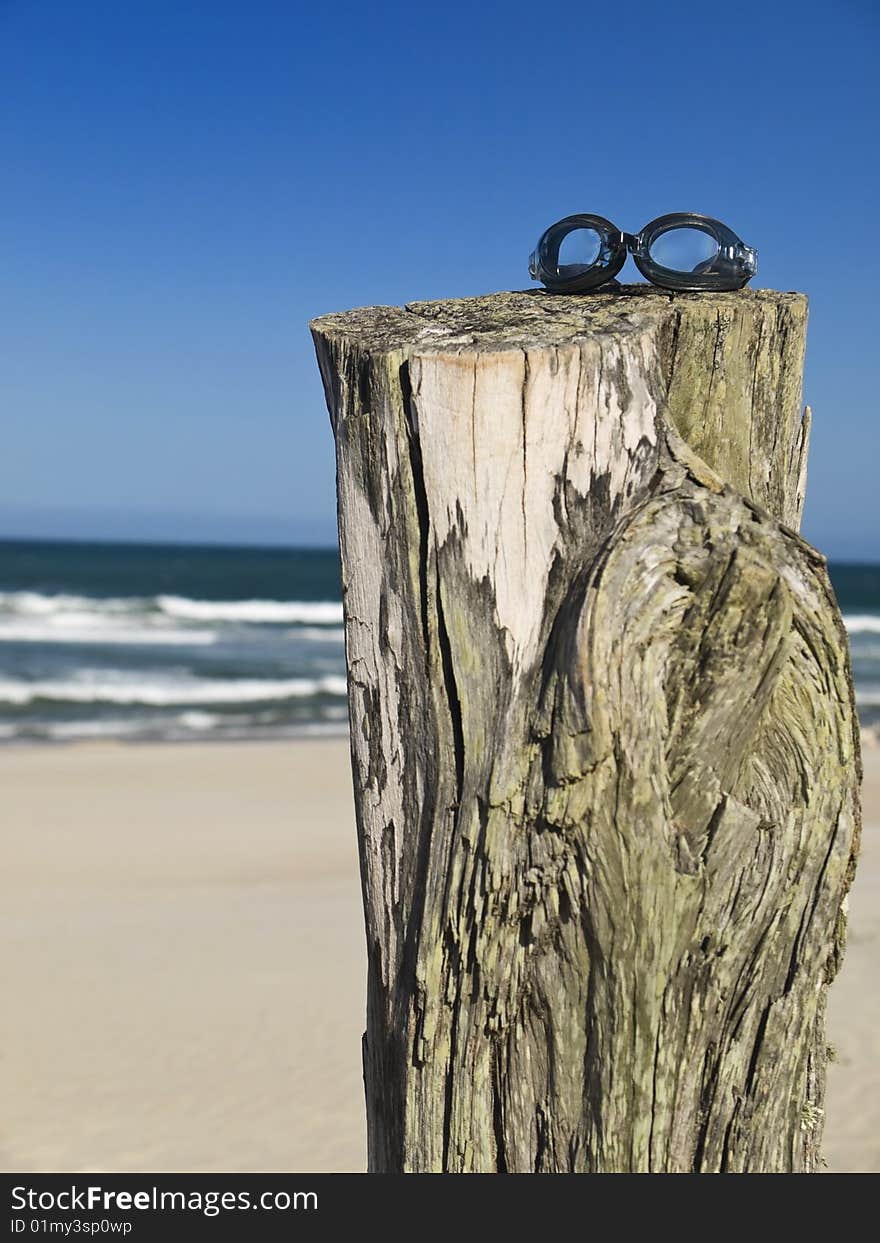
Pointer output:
182, 964
182, 959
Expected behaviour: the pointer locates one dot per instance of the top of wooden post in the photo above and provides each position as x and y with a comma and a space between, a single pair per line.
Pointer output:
536, 317
725, 368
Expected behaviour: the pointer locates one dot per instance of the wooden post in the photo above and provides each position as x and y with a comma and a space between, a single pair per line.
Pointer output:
603, 738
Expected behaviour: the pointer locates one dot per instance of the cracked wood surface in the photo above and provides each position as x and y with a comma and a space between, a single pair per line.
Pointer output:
603, 739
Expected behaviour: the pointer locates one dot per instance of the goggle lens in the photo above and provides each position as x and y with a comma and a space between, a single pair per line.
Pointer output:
578, 252
684, 250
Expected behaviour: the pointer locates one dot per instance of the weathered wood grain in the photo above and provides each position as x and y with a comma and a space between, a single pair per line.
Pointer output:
603, 739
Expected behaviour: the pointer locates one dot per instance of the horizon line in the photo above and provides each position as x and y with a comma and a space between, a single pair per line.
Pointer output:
147, 542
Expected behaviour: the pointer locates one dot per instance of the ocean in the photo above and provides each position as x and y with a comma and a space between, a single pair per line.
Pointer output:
171, 642
138, 641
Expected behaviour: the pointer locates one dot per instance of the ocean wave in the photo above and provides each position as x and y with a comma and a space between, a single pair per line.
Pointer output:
175, 726
32, 605
70, 610
199, 720
862, 623
37, 604
181, 726
313, 611
100, 686
317, 634
84, 628
71, 731
868, 697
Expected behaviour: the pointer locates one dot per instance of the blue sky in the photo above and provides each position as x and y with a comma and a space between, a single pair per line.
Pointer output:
185, 184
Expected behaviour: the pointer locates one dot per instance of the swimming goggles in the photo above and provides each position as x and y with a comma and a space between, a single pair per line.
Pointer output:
680, 251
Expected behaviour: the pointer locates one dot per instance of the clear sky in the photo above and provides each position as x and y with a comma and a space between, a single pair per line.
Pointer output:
186, 182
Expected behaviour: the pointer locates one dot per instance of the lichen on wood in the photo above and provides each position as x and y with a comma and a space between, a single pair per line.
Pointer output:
603, 738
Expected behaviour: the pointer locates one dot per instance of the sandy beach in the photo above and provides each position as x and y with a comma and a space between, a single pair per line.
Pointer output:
183, 963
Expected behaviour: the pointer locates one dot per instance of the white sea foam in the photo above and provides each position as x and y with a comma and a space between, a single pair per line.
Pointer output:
314, 611
198, 720
30, 617
37, 604
102, 686
90, 628
868, 697
862, 623
317, 634
150, 727
65, 731
182, 725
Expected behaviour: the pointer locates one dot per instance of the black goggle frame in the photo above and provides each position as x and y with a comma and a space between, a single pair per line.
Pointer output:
732, 267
